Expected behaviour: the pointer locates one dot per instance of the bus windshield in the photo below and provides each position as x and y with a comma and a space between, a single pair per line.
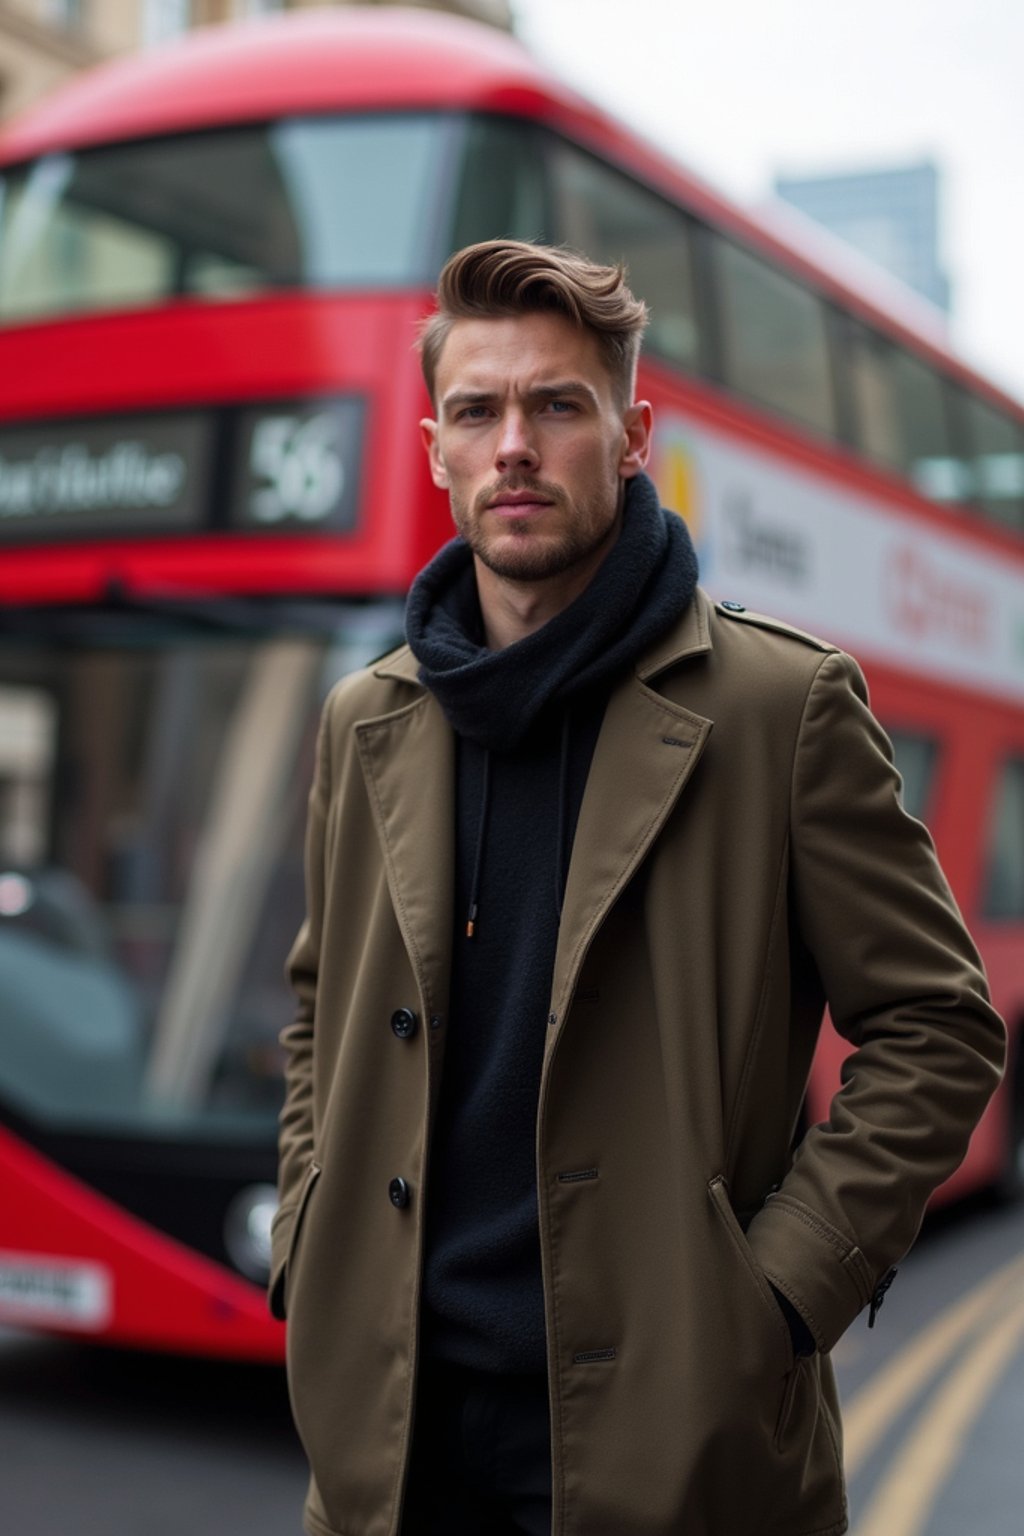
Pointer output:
318, 202
153, 784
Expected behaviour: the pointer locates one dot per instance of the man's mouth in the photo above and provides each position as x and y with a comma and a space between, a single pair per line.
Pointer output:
518, 503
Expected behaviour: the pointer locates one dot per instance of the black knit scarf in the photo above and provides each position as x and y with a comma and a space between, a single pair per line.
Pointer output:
641, 588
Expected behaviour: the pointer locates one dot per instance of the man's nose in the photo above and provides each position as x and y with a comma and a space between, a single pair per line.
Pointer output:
515, 444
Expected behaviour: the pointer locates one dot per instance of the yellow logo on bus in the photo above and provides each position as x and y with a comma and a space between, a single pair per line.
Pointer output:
675, 474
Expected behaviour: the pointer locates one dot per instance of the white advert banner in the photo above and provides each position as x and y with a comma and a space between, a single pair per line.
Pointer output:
877, 580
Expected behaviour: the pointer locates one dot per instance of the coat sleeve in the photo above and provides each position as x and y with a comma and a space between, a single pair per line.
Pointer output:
905, 985
295, 1142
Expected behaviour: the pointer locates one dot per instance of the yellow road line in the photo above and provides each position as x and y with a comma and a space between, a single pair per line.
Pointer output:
907, 1495
877, 1405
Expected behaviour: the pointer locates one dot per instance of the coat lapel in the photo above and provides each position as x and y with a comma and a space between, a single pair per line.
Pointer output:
647, 749
645, 754
408, 762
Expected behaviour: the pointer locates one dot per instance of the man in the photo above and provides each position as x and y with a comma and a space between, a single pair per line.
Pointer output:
585, 860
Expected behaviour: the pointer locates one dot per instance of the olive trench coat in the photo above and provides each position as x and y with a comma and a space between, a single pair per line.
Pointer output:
740, 859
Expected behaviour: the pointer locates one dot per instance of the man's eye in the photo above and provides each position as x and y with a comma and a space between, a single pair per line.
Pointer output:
561, 407
472, 413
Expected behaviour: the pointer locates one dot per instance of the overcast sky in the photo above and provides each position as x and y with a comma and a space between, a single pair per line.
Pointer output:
742, 90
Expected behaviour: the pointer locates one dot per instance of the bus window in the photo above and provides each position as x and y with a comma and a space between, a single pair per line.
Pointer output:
509, 205
611, 218
874, 394
28, 732
997, 460
361, 193
916, 759
774, 338
142, 927
900, 415
57, 254
1004, 879
315, 202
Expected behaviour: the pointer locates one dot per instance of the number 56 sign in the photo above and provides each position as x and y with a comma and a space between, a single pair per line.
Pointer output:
298, 465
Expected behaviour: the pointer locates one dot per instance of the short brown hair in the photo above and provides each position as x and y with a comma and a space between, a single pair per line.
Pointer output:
498, 278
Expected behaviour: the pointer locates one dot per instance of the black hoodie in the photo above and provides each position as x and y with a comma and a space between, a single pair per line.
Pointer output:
526, 720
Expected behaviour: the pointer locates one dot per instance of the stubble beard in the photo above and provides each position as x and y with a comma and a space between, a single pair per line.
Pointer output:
518, 553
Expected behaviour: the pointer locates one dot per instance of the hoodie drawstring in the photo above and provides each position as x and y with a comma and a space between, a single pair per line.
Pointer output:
485, 804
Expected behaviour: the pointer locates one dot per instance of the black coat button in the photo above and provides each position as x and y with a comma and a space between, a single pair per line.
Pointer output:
403, 1022
398, 1194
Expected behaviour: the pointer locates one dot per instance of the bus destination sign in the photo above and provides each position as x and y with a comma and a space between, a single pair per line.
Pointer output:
140, 473
289, 467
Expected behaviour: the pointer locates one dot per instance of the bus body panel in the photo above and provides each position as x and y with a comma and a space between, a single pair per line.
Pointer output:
72, 1262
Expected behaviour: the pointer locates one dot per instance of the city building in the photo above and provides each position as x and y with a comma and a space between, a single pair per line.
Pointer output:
891, 216
42, 42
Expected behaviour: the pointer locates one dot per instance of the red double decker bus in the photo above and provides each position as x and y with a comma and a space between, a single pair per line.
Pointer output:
213, 498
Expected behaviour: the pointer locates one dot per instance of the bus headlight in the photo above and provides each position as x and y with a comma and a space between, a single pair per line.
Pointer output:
247, 1230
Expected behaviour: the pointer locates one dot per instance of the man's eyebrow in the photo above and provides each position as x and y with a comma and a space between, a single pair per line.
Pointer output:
555, 391
558, 391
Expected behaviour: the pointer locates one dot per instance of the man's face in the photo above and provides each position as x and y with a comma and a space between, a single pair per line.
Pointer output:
531, 445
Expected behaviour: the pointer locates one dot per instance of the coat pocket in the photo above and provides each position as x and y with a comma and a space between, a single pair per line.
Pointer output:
762, 1291
771, 1421
308, 1185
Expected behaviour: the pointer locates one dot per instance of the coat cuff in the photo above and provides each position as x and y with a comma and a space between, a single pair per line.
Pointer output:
823, 1274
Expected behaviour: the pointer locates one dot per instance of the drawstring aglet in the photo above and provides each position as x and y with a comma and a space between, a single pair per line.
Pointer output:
471, 923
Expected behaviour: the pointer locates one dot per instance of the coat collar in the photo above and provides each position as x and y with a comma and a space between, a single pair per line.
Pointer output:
400, 665
690, 636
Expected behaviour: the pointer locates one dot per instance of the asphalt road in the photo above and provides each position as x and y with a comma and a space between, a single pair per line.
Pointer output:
98, 1443
94, 1443
933, 1396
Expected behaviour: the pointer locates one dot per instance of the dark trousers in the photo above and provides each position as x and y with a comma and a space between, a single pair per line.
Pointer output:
481, 1456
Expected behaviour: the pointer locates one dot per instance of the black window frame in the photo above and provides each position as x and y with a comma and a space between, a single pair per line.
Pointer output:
1011, 766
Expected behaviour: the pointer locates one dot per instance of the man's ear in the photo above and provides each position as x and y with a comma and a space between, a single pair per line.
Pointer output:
637, 424
438, 473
